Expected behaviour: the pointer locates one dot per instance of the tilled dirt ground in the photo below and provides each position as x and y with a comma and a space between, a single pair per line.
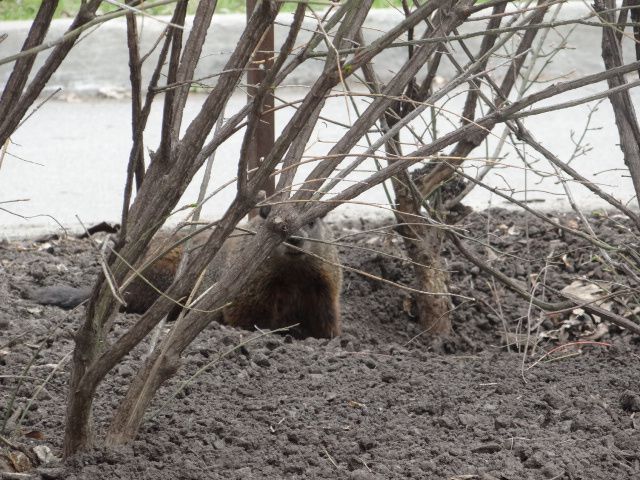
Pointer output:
381, 401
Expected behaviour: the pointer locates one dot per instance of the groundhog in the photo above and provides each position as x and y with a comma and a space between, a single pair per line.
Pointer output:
291, 287
139, 295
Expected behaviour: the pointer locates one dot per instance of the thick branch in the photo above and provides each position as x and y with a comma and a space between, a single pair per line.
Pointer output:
169, 134
135, 75
9, 122
190, 56
159, 194
136, 157
20, 73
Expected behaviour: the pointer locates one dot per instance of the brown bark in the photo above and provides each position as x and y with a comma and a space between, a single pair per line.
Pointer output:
136, 157
433, 310
169, 135
423, 243
139, 119
263, 139
164, 184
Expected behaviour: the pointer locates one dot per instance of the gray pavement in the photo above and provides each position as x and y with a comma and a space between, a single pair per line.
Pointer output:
70, 158
99, 63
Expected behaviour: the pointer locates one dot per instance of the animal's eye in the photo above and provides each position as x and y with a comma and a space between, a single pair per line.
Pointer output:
311, 223
265, 210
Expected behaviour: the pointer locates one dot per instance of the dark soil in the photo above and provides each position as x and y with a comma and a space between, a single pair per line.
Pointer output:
381, 401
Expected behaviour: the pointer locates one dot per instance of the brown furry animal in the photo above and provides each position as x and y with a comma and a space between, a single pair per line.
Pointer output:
290, 287
139, 295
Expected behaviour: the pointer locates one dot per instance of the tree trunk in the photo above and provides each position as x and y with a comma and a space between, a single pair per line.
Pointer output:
433, 310
423, 243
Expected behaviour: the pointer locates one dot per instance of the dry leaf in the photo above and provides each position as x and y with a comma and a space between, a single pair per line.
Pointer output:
44, 246
19, 461
406, 305
35, 434
491, 255
583, 290
513, 230
588, 292
577, 312
533, 278
572, 223
601, 330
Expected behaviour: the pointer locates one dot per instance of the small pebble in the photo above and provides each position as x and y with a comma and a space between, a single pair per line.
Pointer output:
630, 402
362, 474
261, 360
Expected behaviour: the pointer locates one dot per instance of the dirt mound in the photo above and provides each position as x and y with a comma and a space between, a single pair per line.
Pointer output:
378, 402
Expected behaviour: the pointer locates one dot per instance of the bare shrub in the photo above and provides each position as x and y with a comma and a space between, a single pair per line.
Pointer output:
426, 172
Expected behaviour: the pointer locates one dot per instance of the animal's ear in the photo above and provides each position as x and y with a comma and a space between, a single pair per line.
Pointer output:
265, 210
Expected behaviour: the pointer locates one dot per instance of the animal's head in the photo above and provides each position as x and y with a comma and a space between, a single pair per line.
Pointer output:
309, 237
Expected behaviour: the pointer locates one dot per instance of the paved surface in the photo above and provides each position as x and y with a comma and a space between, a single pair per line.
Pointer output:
99, 63
73, 155
70, 158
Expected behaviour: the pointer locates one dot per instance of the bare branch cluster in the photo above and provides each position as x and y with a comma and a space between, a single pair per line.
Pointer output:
396, 130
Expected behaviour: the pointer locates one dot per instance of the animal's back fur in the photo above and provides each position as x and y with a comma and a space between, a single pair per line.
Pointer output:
139, 294
289, 288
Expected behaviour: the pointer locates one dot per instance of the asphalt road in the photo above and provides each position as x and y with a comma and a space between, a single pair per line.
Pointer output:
69, 160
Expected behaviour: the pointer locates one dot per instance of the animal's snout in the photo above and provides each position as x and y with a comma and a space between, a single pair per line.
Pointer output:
295, 241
